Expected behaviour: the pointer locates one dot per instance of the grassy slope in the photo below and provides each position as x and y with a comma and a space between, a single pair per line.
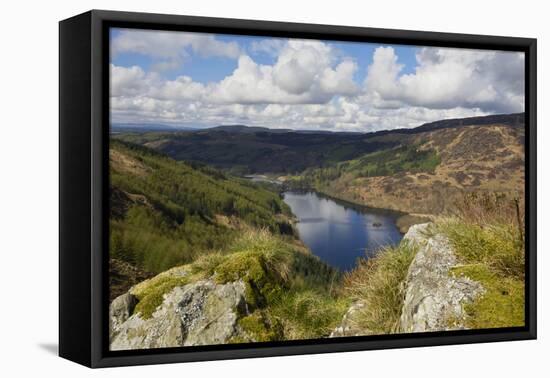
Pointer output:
489, 242
407, 158
166, 213
258, 152
378, 283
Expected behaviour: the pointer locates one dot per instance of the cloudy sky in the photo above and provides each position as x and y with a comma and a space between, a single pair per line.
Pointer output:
202, 80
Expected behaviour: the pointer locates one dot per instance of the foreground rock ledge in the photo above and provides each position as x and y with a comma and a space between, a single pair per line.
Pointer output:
200, 313
433, 298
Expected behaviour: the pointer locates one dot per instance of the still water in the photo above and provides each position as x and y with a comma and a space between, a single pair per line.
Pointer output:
339, 233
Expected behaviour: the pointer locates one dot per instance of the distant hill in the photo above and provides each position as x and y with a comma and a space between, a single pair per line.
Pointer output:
244, 129
147, 127
513, 120
258, 129
249, 150
431, 169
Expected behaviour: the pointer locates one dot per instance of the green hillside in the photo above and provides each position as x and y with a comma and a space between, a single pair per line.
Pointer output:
407, 158
165, 213
243, 150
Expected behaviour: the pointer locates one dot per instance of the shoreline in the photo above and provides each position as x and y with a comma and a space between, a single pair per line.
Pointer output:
402, 219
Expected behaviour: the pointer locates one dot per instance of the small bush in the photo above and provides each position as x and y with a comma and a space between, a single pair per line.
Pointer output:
378, 282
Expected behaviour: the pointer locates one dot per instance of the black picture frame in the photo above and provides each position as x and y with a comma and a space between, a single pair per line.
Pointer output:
83, 181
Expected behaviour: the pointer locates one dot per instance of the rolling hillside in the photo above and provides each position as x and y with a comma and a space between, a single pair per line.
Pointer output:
430, 171
175, 224
419, 170
166, 213
249, 150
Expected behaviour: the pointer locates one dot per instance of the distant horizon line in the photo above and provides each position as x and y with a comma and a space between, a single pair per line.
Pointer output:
181, 127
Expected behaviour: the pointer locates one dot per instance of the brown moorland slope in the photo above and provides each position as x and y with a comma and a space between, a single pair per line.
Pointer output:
472, 159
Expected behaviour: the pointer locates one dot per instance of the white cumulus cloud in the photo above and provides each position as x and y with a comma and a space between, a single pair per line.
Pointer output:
311, 85
449, 78
171, 48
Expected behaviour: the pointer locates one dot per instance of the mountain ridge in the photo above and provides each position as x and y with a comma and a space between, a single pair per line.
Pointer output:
242, 150
513, 119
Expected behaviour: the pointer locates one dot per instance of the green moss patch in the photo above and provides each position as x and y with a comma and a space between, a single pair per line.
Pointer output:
151, 296
261, 327
502, 304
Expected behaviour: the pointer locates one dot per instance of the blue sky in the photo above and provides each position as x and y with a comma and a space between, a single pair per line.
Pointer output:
204, 80
209, 69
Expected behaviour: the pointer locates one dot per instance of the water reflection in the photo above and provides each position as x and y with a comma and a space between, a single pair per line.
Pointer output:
339, 234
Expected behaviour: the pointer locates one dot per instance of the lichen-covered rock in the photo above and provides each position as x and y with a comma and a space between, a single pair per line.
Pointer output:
201, 313
348, 325
120, 310
434, 298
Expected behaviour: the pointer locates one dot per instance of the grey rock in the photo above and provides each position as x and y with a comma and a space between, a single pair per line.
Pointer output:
201, 313
434, 299
348, 326
418, 233
119, 311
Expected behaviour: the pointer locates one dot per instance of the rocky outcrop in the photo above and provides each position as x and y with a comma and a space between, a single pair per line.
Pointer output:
200, 313
434, 298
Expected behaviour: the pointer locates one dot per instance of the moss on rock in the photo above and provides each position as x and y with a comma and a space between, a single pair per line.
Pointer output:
152, 296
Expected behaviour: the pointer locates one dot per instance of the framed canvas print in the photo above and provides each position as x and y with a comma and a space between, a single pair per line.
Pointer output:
234, 188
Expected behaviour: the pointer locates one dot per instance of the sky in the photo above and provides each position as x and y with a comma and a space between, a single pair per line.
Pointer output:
205, 80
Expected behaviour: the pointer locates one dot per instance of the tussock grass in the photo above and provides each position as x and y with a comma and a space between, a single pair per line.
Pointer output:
497, 246
488, 239
379, 283
308, 313
489, 229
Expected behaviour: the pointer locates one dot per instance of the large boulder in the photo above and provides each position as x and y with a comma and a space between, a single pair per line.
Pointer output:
201, 313
434, 298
